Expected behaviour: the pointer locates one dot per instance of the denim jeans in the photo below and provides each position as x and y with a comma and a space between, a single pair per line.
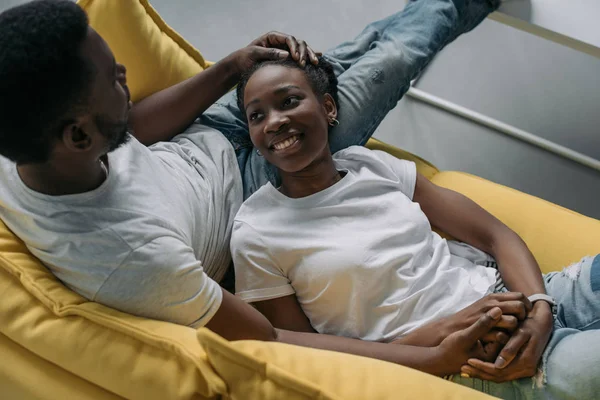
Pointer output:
374, 71
570, 367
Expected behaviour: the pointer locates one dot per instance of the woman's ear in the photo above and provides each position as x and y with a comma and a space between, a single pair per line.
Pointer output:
330, 106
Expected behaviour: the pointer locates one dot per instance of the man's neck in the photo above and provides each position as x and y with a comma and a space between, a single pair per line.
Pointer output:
316, 177
63, 179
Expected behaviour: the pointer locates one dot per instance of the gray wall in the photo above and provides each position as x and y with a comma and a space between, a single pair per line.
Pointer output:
520, 79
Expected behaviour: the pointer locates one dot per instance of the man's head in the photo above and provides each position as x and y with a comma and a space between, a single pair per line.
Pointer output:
61, 93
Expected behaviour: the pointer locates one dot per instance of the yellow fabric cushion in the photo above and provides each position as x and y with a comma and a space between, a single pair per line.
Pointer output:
272, 371
555, 235
424, 167
154, 54
125, 355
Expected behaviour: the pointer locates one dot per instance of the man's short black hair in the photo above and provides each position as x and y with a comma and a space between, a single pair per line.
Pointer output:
44, 79
321, 78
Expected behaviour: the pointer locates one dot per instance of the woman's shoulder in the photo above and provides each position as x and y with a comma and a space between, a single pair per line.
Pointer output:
359, 156
353, 152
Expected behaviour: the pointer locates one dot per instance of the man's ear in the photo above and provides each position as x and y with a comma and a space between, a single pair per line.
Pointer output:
330, 106
76, 135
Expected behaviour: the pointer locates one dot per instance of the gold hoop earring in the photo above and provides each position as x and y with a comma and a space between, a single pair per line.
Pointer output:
334, 122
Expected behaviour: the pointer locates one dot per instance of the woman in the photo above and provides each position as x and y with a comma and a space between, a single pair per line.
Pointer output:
344, 246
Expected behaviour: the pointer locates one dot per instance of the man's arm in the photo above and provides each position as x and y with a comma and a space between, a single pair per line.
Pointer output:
163, 115
285, 313
236, 320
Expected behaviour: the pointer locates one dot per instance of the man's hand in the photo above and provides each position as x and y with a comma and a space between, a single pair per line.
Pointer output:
521, 355
465, 344
514, 307
274, 46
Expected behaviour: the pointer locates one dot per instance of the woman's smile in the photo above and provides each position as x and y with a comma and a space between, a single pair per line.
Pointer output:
288, 144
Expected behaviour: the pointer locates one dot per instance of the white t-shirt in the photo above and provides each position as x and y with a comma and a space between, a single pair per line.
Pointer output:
152, 239
360, 256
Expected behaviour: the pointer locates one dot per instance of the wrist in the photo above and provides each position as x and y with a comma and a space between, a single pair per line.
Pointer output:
438, 363
542, 307
234, 65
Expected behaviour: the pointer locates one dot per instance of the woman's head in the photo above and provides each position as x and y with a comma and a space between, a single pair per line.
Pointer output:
289, 110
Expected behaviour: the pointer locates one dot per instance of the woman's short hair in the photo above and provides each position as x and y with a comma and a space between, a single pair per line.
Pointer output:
321, 78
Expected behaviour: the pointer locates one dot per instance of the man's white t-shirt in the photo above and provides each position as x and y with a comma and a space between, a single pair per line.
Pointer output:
360, 256
152, 239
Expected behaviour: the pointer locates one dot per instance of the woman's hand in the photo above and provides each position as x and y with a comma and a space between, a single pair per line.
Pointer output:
274, 46
521, 355
466, 344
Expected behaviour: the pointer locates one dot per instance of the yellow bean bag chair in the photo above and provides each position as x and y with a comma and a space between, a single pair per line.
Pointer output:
57, 345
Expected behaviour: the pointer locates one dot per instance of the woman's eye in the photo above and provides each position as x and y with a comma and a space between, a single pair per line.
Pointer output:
253, 116
290, 101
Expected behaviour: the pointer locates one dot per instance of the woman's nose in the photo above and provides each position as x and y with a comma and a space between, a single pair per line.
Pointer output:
276, 121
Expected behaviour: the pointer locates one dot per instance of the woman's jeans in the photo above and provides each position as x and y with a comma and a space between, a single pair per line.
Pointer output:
570, 367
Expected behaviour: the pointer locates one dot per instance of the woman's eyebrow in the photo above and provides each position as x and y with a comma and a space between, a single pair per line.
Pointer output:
286, 88
280, 90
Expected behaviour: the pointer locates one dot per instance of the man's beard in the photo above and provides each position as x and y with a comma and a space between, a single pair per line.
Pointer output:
116, 132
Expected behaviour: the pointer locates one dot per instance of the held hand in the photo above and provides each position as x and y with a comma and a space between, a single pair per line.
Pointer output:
465, 344
274, 46
521, 355
515, 307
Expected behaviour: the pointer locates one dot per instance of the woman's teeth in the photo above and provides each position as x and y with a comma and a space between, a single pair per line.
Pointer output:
286, 143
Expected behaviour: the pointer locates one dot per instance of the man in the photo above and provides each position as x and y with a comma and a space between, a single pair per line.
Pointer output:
146, 229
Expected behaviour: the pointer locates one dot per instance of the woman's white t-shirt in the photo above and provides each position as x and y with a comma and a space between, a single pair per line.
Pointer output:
360, 256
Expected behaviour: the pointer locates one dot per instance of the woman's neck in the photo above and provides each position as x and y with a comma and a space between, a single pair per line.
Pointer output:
318, 176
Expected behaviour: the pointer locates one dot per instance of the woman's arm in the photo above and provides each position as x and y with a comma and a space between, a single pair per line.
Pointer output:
462, 218
167, 113
236, 320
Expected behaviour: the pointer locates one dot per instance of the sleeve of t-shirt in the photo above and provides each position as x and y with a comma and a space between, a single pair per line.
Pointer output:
163, 280
257, 276
404, 170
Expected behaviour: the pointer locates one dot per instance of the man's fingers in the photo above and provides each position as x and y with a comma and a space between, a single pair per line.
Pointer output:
292, 44
489, 337
507, 322
302, 50
486, 322
511, 296
264, 53
491, 351
312, 55
511, 349
516, 308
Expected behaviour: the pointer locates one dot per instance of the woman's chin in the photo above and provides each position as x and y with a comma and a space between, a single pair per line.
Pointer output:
292, 165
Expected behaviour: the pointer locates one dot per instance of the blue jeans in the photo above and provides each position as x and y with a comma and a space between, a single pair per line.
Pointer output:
374, 71
570, 367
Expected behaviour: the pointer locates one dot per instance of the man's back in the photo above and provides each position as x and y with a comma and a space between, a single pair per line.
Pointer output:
148, 237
